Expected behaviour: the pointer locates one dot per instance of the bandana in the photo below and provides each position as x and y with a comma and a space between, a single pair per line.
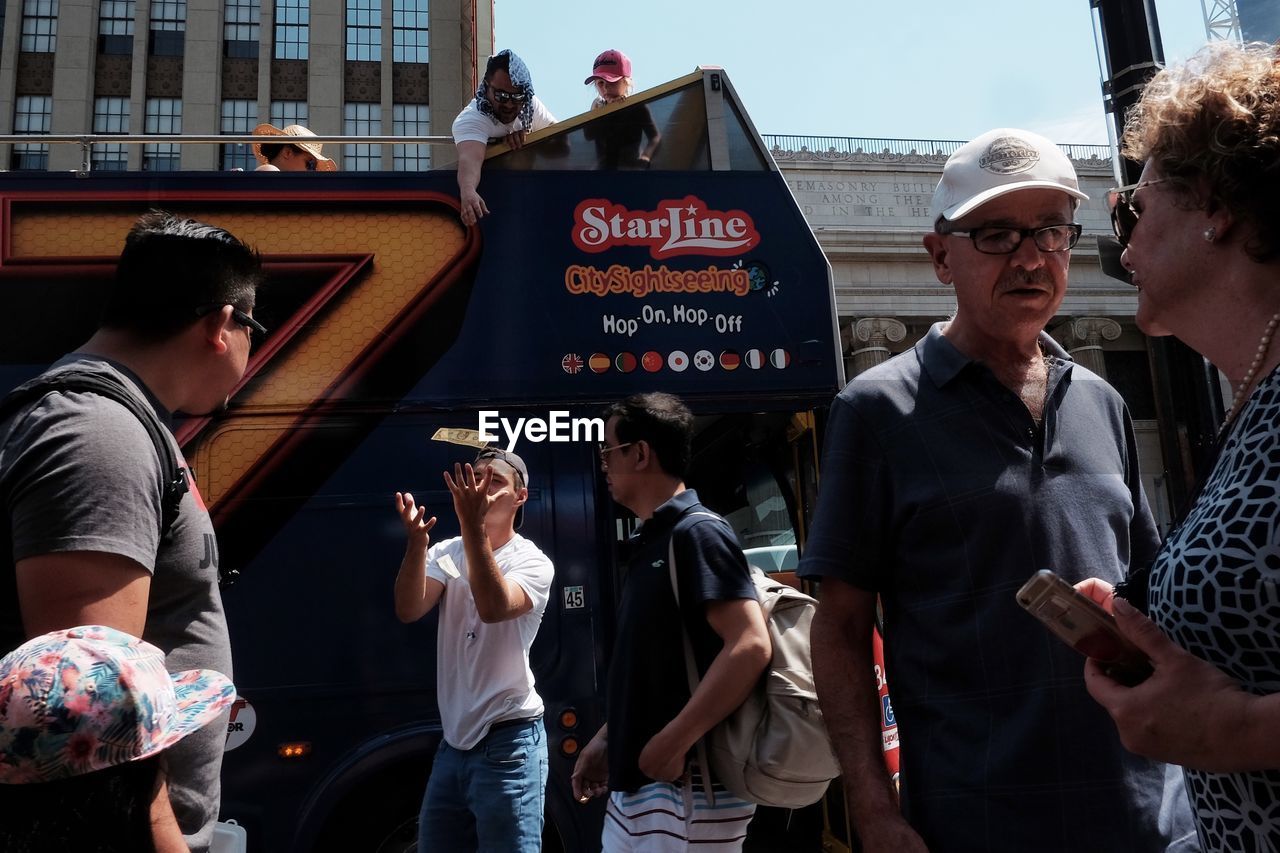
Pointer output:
520, 78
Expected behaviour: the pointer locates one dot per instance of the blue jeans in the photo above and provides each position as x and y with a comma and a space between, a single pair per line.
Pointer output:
489, 798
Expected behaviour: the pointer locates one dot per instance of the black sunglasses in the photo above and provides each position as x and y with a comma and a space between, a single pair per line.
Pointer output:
1124, 216
239, 316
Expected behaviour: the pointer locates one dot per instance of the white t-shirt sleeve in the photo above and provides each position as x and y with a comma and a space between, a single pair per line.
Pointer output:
542, 116
471, 125
534, 572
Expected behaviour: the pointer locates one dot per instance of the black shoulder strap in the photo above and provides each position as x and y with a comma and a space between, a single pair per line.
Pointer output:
80, 381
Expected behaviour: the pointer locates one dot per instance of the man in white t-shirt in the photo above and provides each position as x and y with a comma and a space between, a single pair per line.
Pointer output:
504, 108
488, 781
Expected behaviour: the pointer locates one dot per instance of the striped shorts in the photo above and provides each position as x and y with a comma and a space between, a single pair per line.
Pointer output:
673, 817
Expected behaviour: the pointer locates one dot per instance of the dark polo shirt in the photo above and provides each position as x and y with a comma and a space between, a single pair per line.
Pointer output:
940, 493
648, 685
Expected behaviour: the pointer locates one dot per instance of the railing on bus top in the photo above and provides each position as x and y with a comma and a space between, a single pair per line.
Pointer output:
933, 148
86, 141
818, 146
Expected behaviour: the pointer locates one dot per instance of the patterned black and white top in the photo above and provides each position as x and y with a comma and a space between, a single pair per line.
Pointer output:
1215, 590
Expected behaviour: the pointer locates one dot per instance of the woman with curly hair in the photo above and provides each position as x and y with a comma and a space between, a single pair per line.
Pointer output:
1202, 236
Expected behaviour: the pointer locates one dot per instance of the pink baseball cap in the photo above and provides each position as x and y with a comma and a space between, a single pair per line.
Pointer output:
612, 65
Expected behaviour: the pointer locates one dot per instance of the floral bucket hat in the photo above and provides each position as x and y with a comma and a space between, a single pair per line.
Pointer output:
88, 698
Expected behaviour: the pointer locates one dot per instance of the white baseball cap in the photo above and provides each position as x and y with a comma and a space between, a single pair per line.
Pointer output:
997, 162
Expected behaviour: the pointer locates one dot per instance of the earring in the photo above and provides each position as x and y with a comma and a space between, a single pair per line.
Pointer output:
1210, 235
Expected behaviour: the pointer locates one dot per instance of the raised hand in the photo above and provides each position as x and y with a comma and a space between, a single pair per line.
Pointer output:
412, 516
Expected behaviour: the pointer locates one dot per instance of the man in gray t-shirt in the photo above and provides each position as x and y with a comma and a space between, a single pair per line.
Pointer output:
82, 486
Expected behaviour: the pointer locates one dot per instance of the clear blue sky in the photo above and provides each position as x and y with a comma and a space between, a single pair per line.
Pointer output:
927, 69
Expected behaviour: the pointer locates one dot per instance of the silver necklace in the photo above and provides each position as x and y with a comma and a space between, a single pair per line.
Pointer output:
1240, 396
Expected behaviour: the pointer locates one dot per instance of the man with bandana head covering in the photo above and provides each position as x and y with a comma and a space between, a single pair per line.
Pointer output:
504, 108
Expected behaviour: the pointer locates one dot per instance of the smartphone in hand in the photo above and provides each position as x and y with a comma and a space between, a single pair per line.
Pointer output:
1080, 623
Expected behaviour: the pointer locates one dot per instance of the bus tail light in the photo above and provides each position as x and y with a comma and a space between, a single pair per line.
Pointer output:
301, 749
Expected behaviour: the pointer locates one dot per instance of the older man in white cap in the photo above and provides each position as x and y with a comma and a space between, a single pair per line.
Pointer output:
951, 474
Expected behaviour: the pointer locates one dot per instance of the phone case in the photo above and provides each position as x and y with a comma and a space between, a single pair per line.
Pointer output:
1079, 622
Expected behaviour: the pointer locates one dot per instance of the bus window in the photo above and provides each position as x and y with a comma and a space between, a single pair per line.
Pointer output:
608, 139
742, 468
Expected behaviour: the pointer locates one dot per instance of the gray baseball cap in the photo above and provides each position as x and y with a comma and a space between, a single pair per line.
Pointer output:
515, 462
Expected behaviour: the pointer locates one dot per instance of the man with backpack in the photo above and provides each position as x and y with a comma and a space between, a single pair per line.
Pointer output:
642, 755
104, 524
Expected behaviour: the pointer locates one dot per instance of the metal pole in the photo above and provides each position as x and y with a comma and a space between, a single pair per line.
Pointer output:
1188, 405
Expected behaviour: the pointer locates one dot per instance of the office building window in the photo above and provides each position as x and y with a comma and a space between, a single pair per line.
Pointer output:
238, 117
39, 26
31, 114
293, 29
362, 120
240, 22
285, 113
164, 116
115, 26
168, 27
409, 35
110, 115
411, 120
364, 30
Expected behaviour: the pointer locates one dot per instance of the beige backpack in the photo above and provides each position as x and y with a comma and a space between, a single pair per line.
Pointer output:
774, 749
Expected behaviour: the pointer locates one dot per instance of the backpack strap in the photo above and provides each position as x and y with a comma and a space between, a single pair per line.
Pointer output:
174, 477
690, 663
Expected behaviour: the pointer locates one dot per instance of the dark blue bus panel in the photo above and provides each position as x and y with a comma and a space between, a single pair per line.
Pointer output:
591, 279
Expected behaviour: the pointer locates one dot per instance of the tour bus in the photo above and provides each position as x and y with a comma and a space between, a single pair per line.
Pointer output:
394, 333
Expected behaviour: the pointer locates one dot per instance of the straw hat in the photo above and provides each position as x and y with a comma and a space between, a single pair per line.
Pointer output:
323, 163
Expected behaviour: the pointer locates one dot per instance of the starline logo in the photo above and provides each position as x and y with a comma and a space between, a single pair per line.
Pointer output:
675, 227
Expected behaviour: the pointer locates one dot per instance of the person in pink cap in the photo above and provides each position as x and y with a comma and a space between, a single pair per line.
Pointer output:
629, 138
611, 72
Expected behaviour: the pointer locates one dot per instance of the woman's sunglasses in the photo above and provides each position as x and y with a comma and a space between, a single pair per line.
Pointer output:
1124, 216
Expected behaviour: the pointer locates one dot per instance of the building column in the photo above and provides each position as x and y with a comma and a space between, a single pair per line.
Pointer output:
1083, 340
870, 338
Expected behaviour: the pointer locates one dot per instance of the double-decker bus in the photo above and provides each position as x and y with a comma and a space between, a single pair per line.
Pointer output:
389, 321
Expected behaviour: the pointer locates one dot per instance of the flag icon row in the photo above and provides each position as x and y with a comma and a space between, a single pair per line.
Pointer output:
676, 361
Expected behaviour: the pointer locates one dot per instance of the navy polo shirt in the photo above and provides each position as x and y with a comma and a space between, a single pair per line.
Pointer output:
940, 493
648, 685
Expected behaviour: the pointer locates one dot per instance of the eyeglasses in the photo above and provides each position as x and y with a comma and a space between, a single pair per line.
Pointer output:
239, 316
311, 164
504, 97
605, 451
1124, 216
1005, 241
